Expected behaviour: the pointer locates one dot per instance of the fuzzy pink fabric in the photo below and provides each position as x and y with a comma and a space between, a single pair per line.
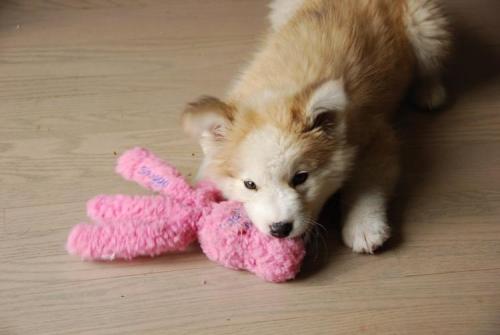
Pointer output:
130, 226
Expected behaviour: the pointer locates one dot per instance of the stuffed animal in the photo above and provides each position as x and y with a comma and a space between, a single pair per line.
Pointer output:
130, 226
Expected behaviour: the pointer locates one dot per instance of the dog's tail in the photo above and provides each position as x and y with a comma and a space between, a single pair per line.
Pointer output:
429, 33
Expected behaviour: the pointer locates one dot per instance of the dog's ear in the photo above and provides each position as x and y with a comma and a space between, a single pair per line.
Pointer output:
207, 120
326, 106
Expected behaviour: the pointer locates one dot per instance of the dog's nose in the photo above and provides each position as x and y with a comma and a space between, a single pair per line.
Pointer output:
281, 229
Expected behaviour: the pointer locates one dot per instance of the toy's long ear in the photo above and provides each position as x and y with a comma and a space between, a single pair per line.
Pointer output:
143, 167
208, 120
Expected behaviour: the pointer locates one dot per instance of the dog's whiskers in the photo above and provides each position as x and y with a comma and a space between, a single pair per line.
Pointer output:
315, 235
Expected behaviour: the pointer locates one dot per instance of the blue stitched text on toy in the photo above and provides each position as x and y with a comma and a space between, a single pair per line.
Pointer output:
155, 179
235, 217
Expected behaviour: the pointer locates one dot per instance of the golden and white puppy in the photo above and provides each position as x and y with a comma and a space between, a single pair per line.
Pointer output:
310, 114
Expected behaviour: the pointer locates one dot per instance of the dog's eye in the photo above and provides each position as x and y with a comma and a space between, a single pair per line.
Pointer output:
250, 185
299, 178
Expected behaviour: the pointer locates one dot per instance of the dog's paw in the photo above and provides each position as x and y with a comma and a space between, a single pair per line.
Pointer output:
365, 235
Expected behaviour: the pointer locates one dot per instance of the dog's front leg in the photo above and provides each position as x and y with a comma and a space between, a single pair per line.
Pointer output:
366, 194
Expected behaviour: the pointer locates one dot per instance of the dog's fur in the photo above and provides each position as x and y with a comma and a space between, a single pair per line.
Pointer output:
317, 97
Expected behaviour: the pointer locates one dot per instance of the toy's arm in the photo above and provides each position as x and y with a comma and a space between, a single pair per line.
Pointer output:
109, 209
131, 226
142, 166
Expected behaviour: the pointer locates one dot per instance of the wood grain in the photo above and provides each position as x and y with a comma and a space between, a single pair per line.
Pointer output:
81, 81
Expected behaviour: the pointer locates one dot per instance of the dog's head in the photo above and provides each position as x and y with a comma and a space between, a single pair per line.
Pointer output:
281, 156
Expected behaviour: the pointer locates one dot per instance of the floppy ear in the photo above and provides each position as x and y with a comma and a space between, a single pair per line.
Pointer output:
207, 119
326, 106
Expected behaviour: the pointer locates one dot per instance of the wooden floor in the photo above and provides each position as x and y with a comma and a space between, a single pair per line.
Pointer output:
81, 81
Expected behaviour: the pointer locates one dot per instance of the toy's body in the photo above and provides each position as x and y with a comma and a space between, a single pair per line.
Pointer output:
132, 226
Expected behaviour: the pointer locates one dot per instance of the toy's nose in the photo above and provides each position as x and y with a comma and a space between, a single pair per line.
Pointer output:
281, 229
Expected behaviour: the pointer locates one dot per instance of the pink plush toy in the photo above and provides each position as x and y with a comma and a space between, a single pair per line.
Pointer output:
131, 226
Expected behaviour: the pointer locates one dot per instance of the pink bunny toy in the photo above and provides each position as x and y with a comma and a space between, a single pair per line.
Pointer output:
131, 226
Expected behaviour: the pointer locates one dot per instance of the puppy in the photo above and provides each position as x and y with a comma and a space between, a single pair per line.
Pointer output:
310, 114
